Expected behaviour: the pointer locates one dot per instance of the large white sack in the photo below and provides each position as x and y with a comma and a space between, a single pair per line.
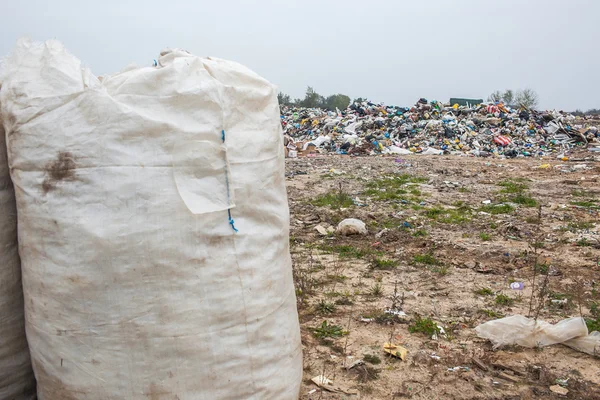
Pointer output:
16, 376
136, 284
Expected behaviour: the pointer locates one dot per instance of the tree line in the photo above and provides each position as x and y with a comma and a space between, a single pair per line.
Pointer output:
312, 99
526, 98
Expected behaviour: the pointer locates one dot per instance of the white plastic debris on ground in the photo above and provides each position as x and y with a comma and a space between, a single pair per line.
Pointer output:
530, 333
351, 226
16, 376
136, 284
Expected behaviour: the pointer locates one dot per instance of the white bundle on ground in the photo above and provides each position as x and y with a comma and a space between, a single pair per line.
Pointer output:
136, 284
530, 333
16, 376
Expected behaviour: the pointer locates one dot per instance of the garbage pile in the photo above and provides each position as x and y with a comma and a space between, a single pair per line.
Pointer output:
431, 127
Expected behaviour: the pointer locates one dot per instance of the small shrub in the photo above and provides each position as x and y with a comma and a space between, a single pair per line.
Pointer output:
510, 186
424, 325
332, 331
484, 292
334, 199
524, 200
376, 290
496, 209
324, 307
504, 300
484, 236
420, 233
491, 313
426, 259
386, 265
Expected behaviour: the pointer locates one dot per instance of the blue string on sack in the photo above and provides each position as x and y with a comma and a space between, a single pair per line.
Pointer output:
231, 222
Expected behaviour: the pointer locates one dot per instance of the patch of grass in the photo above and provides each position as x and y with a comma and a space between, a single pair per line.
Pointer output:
512, 186
424, 325
372, 359
581, 193
386, 265
491, 313
484, 236
579, 225
391, 188
333, 199
593, 324
542, 269
450, 215
328, 331
464, 190
583, 242
420, 233
376, 290
346, 251
504, 300
434, 212
324, 307
484, 292
416, 207
443, 270
587, 204
427, 259
493, 225
524, 200
532, 220
496, 209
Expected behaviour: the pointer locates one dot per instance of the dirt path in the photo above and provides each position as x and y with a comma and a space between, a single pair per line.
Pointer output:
446, 238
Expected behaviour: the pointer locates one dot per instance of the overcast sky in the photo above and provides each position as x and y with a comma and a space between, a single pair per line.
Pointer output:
392, 51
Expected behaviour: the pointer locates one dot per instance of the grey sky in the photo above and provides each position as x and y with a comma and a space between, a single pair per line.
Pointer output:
392, 51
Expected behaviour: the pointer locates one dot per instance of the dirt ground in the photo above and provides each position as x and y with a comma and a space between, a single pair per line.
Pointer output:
446, 238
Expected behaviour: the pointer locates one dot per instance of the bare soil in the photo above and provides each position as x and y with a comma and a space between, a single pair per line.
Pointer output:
437, 249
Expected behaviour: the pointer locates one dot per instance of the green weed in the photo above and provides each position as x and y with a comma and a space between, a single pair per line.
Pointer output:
332, 331
424, 325
504, 300
426, 259
324, 307
372, 359
496, 209
334, 199
484, 236
382, 264
484, 292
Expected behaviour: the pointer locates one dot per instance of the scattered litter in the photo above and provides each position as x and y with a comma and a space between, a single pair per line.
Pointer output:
397, 313
355, 364
562, 382
327, 384
351, 226
459, 368
517, 286
395, 350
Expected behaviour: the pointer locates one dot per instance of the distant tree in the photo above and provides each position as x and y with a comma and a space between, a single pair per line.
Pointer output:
495, 96
508, 97
284, 99
593, 111
359, 100
339, 101
312, 99
526, 98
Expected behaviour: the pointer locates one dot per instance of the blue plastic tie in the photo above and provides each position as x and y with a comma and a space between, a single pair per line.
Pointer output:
231, 222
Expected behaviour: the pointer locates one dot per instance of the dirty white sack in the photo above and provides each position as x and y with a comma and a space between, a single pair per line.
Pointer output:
136, 284
16, 376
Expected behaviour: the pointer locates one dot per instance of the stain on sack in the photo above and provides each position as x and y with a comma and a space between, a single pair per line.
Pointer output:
61, 169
